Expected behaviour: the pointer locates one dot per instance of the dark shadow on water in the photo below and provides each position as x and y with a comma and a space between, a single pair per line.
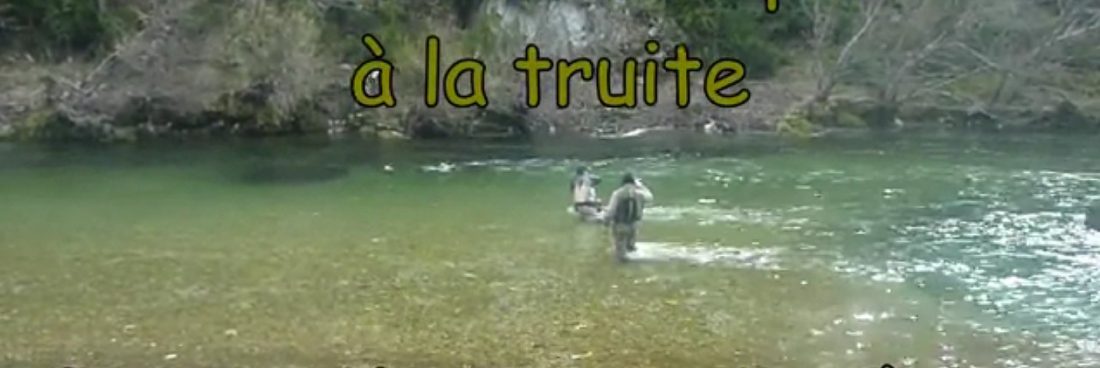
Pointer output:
355, 151
290, 173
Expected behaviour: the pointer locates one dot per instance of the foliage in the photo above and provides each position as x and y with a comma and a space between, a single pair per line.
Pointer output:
71, 26
282, 64
795, 124
738, 29
277, 47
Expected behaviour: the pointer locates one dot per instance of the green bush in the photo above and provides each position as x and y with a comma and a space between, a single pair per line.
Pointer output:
795, 124
73, 26
738, 29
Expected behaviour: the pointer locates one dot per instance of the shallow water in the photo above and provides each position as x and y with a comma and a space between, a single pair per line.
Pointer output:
854, 252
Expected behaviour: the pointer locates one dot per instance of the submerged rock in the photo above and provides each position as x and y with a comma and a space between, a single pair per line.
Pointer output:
1092, 218
292, 173
391, 135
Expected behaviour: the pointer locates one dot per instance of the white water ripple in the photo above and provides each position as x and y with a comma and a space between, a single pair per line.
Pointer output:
753, 258
706, 216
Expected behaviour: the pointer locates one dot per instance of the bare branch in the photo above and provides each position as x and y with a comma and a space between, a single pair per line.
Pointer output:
936, 84
870, 16
823, 25
978, 55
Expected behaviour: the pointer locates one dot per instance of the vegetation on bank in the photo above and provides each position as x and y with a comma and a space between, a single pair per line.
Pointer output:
123, 69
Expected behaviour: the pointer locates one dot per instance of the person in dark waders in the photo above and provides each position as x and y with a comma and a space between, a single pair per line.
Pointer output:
623, 213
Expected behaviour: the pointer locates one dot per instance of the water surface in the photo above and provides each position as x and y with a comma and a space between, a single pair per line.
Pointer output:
847, 252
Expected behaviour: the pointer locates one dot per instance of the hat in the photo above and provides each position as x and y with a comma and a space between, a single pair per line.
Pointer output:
628, 178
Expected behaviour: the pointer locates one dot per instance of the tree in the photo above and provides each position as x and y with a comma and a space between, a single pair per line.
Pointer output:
1026, 43
826, 17
736, 28
75, 26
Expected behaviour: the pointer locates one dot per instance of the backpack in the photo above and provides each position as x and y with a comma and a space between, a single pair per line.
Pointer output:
628, 210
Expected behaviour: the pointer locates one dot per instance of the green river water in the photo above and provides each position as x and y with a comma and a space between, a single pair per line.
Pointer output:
923, 251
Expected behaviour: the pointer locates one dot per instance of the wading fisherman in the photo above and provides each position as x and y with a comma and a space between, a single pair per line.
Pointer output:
586, 204
624, 211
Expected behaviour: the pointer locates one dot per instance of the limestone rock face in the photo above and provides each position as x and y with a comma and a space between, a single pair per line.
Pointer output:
576, 28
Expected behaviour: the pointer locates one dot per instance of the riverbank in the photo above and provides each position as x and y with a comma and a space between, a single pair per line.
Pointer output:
37, 109
774, 109
44, 105
197, 68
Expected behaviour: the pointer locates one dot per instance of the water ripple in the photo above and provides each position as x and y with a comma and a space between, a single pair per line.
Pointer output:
754, 258
706, 216
1030, 261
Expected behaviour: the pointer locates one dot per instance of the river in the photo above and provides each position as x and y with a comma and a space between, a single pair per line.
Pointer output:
916, 251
